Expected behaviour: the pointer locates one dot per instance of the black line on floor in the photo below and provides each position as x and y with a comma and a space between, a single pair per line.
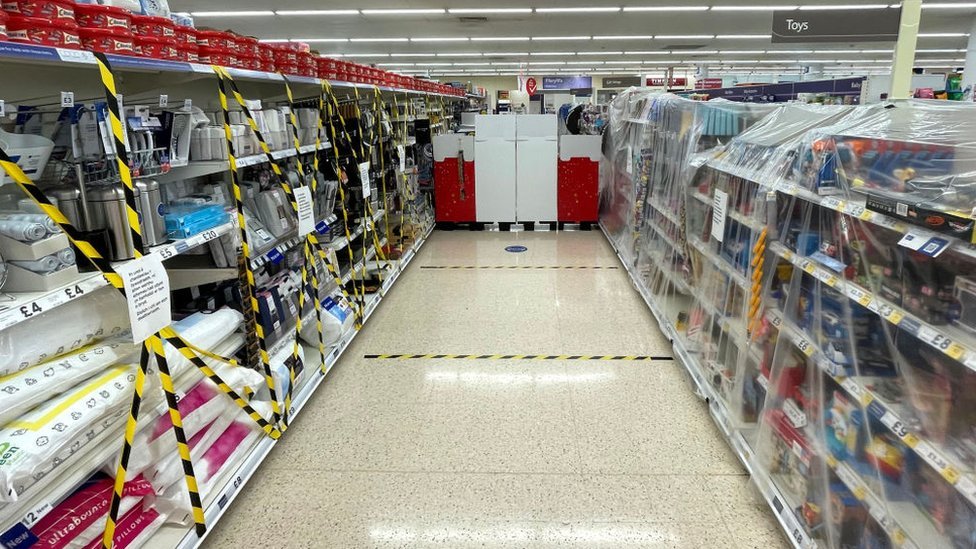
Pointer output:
518, 267
628, 358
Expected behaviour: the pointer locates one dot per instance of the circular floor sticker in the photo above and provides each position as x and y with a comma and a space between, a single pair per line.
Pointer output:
516, 249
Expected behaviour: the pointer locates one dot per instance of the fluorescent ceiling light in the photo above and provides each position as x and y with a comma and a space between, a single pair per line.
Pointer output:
789, 52
333, 55
506, 64
412, 54
278, 40
742, 52
404, 12
599, 53
319, 40
630, 62
877, 51
317, 12
684, 36
942, 34
743, 36
591, 62
948, 5
666, 8
552, 53
365, 55
554, 38
472, 64
701, 52
260, 13
425, 64
462, 11
500, 39
656, 52
753, 8
594, 9
818, 7
396, 65
459, 54
442, 39
377, 39
547, 63
625, 37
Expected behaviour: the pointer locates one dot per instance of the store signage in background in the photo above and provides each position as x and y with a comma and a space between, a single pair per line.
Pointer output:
622, 82
531, 86
708, 83
827, 25
677, 82
566, 82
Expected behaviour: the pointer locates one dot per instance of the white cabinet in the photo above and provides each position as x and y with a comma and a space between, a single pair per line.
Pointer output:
537, 152
495, 170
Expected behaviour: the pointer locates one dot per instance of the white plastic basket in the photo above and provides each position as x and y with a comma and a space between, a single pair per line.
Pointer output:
30, 152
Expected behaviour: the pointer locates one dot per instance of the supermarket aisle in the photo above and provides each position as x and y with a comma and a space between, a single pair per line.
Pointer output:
502, 453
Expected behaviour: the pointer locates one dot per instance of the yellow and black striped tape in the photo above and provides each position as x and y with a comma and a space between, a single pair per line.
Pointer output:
245, 244
640, 358
108, 535
517, 267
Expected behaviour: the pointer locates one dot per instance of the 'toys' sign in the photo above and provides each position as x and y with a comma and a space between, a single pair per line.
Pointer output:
516, 249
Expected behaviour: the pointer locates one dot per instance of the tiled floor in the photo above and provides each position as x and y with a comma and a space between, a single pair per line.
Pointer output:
464, 453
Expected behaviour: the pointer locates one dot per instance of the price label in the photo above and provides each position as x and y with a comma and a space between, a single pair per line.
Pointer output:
163, 101
855, 210
891, 421
858, 295
76, 56
807, 266
848, 476
805, 347
891, 314
855, 390
932, 456
776, 320
763, 382
967, 488
826, 277
364, 178
67, 99
900, 540
833, 203
955, 351
795, 414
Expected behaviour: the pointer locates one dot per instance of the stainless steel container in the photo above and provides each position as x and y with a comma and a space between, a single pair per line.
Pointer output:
106, 209
149, 204
70, 204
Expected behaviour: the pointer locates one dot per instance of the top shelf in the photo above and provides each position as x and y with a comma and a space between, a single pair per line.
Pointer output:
66, 58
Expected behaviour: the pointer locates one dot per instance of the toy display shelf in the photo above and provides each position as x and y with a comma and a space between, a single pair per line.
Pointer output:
231, 479
30, 304
67, 58
734, 435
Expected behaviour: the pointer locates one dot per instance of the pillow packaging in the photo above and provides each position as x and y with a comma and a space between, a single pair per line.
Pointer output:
279, 366
337, 320
80, 518
133, 529
22, 391
169, 469
203, 330
225, 452
97, 317
47, 436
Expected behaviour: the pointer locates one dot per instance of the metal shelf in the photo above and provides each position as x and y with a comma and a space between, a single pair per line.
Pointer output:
232, 479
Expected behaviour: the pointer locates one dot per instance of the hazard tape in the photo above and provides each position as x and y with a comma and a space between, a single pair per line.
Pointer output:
634, 358
517, 267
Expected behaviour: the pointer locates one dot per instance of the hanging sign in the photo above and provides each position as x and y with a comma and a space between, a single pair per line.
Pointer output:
827, 25
708, 83
531, 86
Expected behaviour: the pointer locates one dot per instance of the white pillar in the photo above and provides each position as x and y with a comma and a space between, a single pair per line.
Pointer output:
969, 72
904, 62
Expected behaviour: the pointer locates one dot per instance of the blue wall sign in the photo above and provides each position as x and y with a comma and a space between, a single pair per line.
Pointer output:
516, 249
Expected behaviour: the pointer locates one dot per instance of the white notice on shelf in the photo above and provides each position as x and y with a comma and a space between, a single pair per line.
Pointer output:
630, 160
402, 154
163, 101
306, 213
364, 177
926, 243
147, 289
720, 205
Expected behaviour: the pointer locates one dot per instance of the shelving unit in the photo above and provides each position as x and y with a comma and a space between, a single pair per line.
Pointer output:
820, 367
398, 221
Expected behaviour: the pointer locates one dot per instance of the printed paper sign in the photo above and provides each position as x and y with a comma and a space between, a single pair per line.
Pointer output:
147, 289
364, 177
67, 99
306, 212
402, 153
630, 160
720, 205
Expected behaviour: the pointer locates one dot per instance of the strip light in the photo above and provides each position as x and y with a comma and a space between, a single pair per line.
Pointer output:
684, 36
555, 38
666, 8
595, 9
258, 13
423, 11
464, 11
753, 8
412, 54
316, 12
819, 7
499, 38
440, 39
599, 53
625, 37
743, 36
378, 40
552, 53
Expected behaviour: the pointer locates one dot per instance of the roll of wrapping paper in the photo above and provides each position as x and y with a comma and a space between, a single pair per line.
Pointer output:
67, 257
49, 224
23, 231
45, 265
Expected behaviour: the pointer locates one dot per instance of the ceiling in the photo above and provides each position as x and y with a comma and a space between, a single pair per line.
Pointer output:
578, 36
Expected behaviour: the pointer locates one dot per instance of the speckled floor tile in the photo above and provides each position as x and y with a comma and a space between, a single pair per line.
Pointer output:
504, 453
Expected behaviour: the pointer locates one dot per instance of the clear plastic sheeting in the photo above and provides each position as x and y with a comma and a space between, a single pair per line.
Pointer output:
817, 270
